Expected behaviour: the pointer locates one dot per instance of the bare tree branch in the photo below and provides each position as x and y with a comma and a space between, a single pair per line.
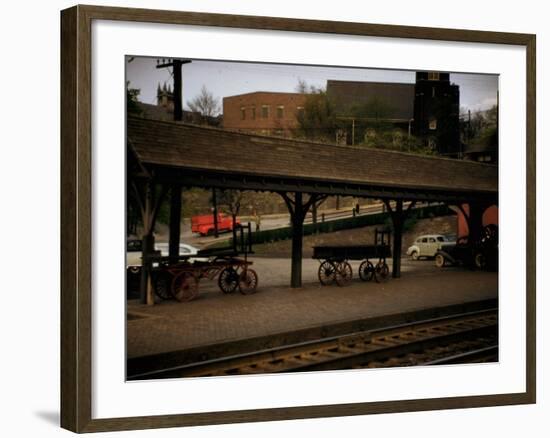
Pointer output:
205, 103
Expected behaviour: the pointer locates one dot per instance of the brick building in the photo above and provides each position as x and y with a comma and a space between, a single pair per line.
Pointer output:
263, 112
427, 109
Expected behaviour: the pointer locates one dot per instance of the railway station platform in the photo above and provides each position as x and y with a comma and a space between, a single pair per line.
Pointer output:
214, 324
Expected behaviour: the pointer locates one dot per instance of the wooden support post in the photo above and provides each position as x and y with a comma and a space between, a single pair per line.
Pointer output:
147, 243
475, 222
298, 210
150, 205
175, 222
398, 220
215, 212
297, 241
148, 246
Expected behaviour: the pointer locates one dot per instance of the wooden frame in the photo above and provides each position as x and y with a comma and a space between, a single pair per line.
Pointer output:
76, 173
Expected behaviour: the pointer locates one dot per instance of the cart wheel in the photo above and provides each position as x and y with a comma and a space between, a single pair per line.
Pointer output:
248, 282
185, 287
344, 274
366, 271
480, 260
228, 280
381, 272
439, 261
327, 273
162, 285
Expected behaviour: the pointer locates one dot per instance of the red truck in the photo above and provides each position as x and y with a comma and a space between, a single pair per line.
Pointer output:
204, 224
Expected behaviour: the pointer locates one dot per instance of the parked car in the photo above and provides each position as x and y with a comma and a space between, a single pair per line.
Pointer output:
426, 245
133, 261
204, 224
133, 253
481, 254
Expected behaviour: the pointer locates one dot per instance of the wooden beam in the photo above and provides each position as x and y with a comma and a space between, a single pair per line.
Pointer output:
223, 180
175, 222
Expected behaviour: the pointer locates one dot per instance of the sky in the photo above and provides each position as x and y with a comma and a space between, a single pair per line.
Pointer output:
478, 92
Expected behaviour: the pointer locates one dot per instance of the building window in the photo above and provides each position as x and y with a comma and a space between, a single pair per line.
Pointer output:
432, 144
253, 113
433, 124
280, 111
243, 113
265, 111
433, 91
433, 76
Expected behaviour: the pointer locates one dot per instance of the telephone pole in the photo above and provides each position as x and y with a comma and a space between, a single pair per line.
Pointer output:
176, 70
175, 189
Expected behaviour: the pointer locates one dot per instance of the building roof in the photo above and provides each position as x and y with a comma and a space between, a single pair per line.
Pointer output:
155, 112
252, 93
398, 97
166, 114
204, 150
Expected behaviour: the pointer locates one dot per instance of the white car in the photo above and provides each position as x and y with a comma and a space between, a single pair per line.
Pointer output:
426, 246
133, 254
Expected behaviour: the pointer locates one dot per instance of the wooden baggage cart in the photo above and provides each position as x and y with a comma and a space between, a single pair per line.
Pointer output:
180, 279
334, 261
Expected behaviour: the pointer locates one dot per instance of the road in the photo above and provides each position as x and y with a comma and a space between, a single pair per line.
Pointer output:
272, 222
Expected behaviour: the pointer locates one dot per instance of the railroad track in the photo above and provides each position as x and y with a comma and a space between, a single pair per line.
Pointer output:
463, 338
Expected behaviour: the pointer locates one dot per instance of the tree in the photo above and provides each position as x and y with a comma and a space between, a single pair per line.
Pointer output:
132, 94
232, 199
133, 209
304, 88
317, 120
205, 103
481, 129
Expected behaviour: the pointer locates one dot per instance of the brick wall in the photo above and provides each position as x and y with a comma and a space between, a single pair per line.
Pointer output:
262, 112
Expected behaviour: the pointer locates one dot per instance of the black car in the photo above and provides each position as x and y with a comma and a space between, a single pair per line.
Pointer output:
482, 254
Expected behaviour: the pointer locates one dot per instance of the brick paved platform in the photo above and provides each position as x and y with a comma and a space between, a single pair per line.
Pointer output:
215, 318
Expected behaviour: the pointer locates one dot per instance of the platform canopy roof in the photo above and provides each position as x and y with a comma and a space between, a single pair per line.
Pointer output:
191, 155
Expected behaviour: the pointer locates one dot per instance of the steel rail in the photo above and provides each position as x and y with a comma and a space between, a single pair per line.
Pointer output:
485, 354
341, 352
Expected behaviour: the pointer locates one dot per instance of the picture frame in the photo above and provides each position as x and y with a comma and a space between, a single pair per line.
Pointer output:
77, 168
